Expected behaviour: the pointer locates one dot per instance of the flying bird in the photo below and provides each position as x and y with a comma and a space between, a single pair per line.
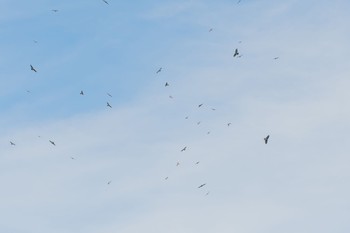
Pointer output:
228, 124
200, 105
55, 10
198, 122
166, 178
177, 164
210, 30
236, 53
81, 93
200, 186
108, 105
32, 68
171, 97
72, 158
186, 117
276, 58
109, 182
197, 162
53, 143
105, 2
184, 148
266, 139
12, 144
166, 84
109, 95
158, 71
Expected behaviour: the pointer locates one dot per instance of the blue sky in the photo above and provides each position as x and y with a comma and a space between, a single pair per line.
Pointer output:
298, 182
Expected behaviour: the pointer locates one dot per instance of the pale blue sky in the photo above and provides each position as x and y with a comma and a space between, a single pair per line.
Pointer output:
298, 182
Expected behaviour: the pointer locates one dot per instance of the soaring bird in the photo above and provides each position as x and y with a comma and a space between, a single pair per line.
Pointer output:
108, 105
197, 162
12, 144
81, 93
166, 84
160, 69
109, 95
200, 186
228, 124
105, 2
32, 68
109, 182
275, 58
236, 53
166, 178
184, 148
210, 30
177, 164
200, 105
266, 139
55, 10
53, 143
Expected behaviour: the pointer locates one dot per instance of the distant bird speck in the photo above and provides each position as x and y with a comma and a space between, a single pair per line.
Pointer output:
228, 124
109, 182
200, 186
275, 58
108, 105
32, 68
105, 2
166, 178
81, 93
236, 53
109, 95
210, 30
53, 143
200, 105
266, 139
12, 144
197, 162
171, 97
55, 10
166, 84
184, 148
177, 164
158, 71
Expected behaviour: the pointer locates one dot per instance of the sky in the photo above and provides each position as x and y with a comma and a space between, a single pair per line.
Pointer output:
121, 168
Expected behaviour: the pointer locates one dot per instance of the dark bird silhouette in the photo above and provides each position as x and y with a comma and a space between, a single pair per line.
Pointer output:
177, 164
108, 105
105, 2
210, 30
228, 124
275, 58
266, 139
53, 143
186, 117
166, 178
72, 158
158, 71
166, 84
197, 162
109, 95
171, 97
184, 148
236, 53
109, 182
12, 144
81, 93
200, 186
200, 105
32, 68
198, 122
55, 10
